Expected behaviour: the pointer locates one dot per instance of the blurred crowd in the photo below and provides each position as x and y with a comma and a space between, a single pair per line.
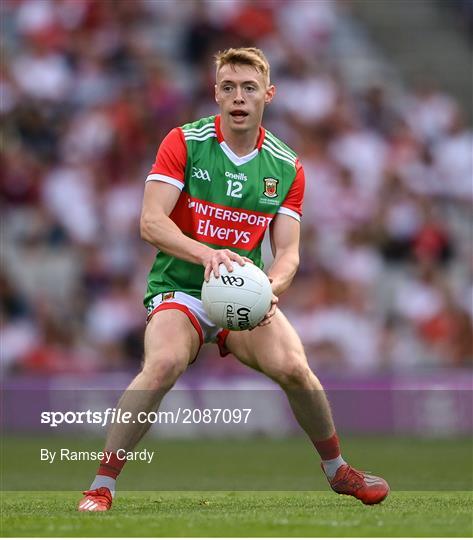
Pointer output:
463, 13
88, 90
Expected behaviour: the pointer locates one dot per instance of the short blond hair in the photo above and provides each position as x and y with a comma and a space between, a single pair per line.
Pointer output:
248, 56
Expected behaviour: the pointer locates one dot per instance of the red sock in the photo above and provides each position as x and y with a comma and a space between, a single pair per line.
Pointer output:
114, 466
329, 448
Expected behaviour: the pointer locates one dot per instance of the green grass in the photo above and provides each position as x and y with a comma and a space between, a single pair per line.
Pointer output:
257, 487
243, 464
240, 514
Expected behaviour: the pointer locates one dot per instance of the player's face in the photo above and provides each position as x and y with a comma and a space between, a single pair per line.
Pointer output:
241, 93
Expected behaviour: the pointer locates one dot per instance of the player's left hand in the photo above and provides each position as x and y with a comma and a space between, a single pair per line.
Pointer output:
272, 309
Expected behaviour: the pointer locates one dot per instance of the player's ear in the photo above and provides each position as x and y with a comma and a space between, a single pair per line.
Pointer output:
216, 93
270, 92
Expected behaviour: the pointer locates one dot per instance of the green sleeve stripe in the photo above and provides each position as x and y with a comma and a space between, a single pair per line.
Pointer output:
277, 149
201, 137
280, 145
200, 124
208, 127
277, 155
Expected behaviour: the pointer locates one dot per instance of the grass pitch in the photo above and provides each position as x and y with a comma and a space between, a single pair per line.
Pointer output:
240, 514
220, 498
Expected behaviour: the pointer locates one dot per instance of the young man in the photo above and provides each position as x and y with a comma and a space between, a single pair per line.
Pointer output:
215, 187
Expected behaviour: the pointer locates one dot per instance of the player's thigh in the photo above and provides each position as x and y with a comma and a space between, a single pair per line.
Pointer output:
273, 349
170, 341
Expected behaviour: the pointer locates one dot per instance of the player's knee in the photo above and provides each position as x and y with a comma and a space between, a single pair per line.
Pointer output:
163, 371
293, 373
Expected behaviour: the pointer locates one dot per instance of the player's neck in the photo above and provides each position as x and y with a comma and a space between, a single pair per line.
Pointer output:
241, 143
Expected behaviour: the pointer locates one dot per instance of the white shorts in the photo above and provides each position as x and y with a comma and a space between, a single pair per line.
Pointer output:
208, 332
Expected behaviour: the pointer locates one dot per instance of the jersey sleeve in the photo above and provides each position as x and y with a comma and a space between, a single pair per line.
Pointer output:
170, 163
292, 205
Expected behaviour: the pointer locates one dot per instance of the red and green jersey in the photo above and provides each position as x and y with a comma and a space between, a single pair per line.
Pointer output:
226, 201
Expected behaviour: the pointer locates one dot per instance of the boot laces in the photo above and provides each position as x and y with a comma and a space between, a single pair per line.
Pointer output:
98, 496
353, 478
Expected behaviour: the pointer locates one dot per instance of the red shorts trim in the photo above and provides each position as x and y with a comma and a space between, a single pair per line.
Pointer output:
221, 338
184, 309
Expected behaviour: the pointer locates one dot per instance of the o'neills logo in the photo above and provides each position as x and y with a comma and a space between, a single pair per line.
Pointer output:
243, 318
270, 187
236, 176
167, 296
229, 312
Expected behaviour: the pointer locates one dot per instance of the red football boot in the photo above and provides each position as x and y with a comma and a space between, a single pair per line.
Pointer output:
96, 500
366, 487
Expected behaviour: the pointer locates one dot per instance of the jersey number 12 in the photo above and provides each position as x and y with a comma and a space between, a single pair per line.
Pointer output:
234, 188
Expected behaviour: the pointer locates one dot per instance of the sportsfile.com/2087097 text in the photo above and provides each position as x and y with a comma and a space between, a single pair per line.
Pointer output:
117, 416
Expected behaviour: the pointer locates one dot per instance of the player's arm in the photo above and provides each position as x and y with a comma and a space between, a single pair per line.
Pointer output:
284, 236
159, 229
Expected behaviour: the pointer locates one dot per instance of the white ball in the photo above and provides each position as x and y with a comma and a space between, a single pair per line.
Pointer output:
237, 300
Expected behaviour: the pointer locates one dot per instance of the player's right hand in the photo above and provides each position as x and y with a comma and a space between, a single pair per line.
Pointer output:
218, 256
